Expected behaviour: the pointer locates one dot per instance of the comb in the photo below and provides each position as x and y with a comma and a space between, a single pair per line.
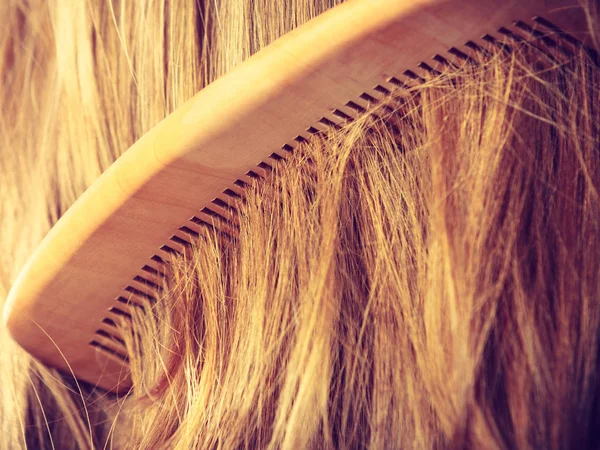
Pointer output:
108, 253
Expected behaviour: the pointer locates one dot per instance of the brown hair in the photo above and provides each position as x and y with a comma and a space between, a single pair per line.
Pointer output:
424, 277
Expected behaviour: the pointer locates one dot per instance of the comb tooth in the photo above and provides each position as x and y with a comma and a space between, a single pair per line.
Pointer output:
205, 220
220, 216
214, 214
477, 50
134, 298
398, 83
278, 155
230, 197
106, 346
494, 41
344, 113
145, 286
251, 176
289, 146
112, 330
370, 99
381, 91
513, 36
444, 62
429, 70
413, 77
154, 270
461, 57
243, 183
151, 275
301, 138
264, 165
312, 130
117, 317
182, 240
236, 190
157, 262
115, 345
262, 170
117, 340
120, 313
197, 227
228, 215
318, 128
111, 324
223, 234
400, 87
359, 105
195, 224
329, 122
383, 97
171, 250
223, 203
149, 282
531, 30
166, 253
383, 103
190, 232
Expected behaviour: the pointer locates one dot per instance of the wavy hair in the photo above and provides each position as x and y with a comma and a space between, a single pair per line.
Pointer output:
426, 276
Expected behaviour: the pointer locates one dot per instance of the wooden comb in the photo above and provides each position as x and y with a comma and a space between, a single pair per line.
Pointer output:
109, 250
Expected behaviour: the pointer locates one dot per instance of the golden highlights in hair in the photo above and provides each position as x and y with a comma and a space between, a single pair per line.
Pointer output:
425, 276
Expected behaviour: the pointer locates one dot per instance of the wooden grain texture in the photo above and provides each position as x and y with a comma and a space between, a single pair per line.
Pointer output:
82, 275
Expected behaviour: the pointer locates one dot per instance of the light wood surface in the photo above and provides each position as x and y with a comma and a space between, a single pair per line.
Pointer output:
63, 306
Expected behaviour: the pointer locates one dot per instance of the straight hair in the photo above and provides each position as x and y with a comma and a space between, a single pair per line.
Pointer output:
425, 276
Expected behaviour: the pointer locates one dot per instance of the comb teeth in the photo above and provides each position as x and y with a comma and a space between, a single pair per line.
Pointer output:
145, 281
107, 347
221, 218
556, 31
119, 312
106, 334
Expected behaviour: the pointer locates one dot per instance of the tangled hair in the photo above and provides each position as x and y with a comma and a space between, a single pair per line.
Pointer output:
424, 277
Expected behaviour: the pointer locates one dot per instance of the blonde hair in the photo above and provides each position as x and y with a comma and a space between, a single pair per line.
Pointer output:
424, 277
